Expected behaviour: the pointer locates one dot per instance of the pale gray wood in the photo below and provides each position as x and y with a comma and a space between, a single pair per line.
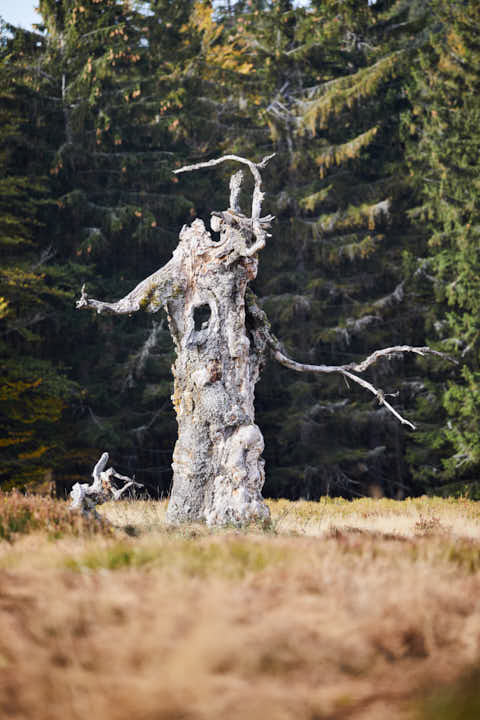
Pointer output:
218, 471
86, 497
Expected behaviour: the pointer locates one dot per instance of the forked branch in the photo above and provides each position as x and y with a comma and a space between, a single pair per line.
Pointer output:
346, 370
264, 338
255, 168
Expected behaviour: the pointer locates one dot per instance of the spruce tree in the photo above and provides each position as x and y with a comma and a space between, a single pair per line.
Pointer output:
122, 93
443, 149
34, 389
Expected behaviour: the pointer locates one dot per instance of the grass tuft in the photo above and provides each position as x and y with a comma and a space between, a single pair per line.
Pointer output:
22, 514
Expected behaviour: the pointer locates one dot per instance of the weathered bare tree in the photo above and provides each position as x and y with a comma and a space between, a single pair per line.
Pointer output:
221, 337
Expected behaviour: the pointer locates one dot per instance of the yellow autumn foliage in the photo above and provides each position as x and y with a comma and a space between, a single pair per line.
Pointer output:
344, 92
3, 307
359, 250
338, 154
13, 390
15, 439
38, 452
216, 53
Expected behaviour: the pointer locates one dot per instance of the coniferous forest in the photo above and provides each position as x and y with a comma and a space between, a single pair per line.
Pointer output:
373, 111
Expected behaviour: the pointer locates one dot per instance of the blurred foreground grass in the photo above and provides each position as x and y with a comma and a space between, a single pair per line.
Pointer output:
364, 610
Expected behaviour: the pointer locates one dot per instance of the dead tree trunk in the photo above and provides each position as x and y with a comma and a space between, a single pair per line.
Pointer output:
218, 471
217, 465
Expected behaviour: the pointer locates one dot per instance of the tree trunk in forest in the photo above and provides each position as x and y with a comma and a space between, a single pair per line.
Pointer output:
218, 471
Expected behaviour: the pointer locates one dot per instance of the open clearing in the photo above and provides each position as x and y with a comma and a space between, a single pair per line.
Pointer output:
366, 610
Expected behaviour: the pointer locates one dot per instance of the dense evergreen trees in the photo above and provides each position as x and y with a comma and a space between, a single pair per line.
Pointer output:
372, 110
34, 388
443, 152
333, 82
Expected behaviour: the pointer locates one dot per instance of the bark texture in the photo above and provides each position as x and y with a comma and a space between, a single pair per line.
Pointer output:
217, 464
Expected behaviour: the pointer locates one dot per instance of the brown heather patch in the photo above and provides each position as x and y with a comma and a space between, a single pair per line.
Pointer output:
23, 514
193, 624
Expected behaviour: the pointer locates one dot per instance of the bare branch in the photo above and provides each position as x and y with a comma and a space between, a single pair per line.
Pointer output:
46, 255
86, 497
254, 169
372, 359
97, 472
342, 370
346, 370
136, 362
264, 338
235, 188
379, 394
150, 294
28, 322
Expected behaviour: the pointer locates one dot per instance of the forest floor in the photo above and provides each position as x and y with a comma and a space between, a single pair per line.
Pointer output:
364, 610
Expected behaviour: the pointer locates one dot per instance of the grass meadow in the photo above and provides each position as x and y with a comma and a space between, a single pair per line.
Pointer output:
363, 610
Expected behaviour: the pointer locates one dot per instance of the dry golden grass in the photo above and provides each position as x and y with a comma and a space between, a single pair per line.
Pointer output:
367, 610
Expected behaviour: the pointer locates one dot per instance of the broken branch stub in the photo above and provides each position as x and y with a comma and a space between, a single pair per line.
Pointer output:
86, 497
